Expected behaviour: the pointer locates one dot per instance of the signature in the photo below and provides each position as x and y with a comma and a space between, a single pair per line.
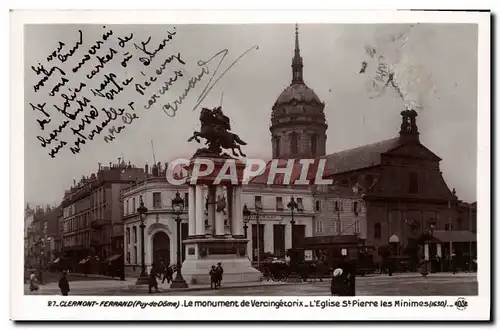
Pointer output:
171, 108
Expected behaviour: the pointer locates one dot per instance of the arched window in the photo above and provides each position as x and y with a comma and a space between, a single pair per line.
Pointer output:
294, 143
377, 230
314, 144
277, 141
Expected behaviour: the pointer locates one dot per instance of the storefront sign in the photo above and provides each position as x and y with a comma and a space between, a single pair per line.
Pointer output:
308, 255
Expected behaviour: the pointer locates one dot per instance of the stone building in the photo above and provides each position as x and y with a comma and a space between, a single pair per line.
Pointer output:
160, 233
92, 217
276, 234
403, 190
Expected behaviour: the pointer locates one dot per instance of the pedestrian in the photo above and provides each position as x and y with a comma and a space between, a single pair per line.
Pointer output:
454, 263
33, 282
213, 277
337, 286
320, 269
153, 283
163, 271
64, 284
220, 271
351, 279
168, 274
389, 266
424, 266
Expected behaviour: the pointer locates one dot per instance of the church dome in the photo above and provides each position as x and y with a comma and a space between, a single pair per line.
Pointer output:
299, 93
298, 123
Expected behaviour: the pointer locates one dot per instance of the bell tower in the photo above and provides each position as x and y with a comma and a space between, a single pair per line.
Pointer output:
409, 130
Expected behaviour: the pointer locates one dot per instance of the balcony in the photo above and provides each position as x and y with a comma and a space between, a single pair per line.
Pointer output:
97, 223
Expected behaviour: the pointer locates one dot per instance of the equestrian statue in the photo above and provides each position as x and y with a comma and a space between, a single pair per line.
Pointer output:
215, 129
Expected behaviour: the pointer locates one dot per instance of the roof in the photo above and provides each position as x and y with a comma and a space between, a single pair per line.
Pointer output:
360, 157
298, 92
454, 236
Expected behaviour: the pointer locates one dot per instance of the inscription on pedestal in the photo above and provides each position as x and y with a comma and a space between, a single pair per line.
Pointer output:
191, 251
203, 251
222, 248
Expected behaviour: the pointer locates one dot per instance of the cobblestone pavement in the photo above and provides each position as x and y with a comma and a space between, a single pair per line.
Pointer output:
440, 285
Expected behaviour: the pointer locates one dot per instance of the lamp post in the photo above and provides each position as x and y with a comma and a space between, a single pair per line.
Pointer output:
293, 277
143, 278
432, 226
247, 216
178, 207
292, 205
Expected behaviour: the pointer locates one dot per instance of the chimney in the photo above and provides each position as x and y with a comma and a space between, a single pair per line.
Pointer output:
146, 168
119, 161
99, 166
110, 165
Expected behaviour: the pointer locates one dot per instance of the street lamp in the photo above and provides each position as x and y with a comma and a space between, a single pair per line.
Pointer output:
294, 276
143, 278
292, 205
246, 218
178, 207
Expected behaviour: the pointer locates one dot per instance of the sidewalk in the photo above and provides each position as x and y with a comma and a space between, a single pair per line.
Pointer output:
416, 274
106, 285
86, 287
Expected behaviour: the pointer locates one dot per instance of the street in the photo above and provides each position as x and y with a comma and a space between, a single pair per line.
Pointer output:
398, 285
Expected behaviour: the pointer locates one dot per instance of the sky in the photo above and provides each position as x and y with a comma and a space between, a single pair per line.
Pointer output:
435, 66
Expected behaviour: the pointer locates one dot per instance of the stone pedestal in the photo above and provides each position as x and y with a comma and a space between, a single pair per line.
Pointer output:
204, 253
225, 213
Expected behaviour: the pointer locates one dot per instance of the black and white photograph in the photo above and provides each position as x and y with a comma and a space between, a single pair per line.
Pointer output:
181, 161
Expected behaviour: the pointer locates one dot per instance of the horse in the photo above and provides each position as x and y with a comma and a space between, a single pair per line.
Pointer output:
232, 141
206, 118
224, 139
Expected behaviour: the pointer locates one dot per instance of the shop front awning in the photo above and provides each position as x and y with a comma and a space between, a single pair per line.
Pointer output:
114, 257
83, 261
455, 236
56, 261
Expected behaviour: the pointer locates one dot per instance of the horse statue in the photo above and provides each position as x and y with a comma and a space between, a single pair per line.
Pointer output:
215, 127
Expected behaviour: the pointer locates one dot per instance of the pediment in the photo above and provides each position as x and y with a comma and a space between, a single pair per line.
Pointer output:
415, 150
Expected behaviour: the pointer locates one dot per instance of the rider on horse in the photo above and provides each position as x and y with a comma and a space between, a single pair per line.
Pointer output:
215, 127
